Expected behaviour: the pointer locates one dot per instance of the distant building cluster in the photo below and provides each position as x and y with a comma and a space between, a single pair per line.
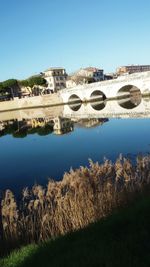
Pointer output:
56, 79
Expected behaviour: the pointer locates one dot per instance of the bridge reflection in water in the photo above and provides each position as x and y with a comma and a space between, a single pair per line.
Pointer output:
61, 119
129, 106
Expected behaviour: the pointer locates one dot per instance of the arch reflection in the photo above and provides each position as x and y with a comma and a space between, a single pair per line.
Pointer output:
129, 96
74, 102
97, 100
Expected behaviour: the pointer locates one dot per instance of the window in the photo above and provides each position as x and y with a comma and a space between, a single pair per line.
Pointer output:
63, 85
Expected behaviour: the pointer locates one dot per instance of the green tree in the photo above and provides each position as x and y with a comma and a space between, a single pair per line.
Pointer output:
9, 83
24, 83
35, 80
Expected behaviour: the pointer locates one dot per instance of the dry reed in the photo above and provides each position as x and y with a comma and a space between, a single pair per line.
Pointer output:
83, 196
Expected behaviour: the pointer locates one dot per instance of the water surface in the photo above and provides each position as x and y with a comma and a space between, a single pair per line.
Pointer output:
34, 157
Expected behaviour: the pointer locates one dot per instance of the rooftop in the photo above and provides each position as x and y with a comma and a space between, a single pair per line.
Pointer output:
92, 69
134, 65
57, 68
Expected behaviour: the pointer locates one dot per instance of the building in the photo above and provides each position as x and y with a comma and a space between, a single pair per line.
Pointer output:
88, 123
56, 78
75, 80
92, 72
63, 125
85, 76
109, 76
132, 69
25, 91
71, 82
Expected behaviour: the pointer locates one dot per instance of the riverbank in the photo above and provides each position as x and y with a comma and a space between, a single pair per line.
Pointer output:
121, 239
40, 101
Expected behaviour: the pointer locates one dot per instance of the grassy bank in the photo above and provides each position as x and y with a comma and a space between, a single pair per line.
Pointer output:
122, 239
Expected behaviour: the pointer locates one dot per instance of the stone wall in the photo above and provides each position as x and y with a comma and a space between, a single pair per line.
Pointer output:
31, 102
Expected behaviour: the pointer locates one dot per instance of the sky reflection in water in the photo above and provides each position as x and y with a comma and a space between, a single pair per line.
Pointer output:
35, 158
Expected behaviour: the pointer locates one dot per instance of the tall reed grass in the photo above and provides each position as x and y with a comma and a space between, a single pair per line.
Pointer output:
83, 196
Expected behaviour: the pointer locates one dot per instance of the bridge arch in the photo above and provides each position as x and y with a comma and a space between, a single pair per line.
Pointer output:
129, 96
74, 102
97, 100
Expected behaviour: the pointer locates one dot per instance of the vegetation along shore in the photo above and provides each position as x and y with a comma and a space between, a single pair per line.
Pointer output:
83, 196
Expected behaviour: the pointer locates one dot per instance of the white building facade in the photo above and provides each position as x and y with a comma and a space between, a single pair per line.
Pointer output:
56, 78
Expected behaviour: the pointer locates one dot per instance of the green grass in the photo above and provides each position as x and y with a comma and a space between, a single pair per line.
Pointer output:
121, 240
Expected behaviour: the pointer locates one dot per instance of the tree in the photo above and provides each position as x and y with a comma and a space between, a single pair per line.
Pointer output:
8, 87
24, 83
34, 80
37, 80
9, 83
1, 86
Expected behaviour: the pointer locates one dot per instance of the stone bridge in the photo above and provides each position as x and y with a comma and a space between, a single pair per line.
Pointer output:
125, 96
117, 88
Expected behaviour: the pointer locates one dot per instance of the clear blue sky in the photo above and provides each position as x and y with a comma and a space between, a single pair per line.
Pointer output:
37, 34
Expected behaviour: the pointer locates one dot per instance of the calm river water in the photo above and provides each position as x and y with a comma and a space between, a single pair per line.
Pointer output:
32, 150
